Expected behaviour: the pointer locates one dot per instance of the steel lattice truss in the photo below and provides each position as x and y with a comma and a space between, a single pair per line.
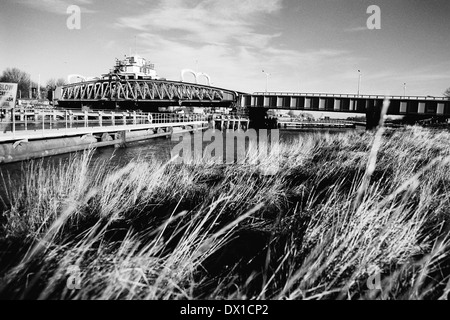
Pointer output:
144, 90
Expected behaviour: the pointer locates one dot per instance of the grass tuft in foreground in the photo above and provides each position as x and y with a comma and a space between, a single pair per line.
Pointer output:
318, 229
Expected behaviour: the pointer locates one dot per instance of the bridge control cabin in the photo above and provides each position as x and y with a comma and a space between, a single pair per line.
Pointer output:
133, 67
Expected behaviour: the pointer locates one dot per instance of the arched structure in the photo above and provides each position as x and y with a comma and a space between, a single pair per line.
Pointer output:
208, 78
75, 78
184, 71
196, 75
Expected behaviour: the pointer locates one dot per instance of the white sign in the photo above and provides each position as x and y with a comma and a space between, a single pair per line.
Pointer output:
8, 94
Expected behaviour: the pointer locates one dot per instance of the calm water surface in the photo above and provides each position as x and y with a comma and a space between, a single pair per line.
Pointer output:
155, 149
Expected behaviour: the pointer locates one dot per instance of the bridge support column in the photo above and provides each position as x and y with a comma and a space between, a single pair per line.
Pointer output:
258, 118
71, 118
121, 138
373, 114
86, 118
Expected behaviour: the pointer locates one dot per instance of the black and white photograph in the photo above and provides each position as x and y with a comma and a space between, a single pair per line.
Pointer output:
225, 155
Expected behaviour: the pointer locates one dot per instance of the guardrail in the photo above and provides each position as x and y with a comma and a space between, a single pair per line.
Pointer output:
314, 120
24, 120
355, 96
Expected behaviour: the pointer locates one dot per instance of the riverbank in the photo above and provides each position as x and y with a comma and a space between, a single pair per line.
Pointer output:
325, 226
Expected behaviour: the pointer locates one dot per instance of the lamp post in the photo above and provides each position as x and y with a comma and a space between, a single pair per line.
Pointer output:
267, 79
39, 88
359, 81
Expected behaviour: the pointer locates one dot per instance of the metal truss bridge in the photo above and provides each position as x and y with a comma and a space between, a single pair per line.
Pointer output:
143, 94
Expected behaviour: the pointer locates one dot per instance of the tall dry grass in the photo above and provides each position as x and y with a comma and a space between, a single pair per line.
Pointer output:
340, 210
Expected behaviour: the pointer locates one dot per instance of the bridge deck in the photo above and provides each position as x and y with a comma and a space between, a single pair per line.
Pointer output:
53, 124
415, 106
65, 132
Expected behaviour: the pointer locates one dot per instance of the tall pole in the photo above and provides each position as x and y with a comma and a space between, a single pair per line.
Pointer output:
39, 88
359, 82
404, 90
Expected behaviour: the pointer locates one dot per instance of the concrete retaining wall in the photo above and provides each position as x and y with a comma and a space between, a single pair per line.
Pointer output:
25, 150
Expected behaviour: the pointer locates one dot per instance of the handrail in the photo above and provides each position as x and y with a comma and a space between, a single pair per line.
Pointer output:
44, 119
332, 95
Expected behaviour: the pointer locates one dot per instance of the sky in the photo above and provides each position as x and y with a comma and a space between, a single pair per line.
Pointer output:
307, 46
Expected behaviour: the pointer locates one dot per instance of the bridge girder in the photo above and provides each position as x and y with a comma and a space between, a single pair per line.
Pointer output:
403, 106
144, 90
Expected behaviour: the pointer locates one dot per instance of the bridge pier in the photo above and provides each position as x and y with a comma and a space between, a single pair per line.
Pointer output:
121, 138
258, 118
373, 115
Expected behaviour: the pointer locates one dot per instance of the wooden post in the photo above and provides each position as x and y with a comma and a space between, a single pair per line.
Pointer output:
13, 121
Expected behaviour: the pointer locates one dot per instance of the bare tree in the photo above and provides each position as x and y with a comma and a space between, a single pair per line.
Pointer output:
447, 93
15, 75
53, 83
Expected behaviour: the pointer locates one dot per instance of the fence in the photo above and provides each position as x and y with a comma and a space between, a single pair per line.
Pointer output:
24, 120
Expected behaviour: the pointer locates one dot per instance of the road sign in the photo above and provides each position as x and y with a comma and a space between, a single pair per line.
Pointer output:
8, 94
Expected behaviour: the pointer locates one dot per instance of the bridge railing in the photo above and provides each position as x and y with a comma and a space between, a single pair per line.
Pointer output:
355, 96
314, 121
43, 119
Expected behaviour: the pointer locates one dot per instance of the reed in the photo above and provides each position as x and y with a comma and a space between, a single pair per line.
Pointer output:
338, 211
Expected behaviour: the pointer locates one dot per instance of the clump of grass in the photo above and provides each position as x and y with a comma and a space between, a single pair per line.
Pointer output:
332, 211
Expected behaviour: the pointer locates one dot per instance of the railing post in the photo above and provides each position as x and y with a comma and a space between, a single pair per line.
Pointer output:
13, 121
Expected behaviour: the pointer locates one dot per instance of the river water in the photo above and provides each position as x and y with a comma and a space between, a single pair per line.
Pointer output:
157, 149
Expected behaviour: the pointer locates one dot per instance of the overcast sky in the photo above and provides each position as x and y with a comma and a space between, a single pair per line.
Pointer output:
306, 46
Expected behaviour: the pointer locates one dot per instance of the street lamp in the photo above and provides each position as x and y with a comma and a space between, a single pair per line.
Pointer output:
404, 90
267, 79
359, 81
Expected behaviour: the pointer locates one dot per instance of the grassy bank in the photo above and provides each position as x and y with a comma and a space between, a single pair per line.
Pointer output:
340, 210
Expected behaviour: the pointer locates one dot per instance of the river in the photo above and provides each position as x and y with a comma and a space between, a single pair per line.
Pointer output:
157, 149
